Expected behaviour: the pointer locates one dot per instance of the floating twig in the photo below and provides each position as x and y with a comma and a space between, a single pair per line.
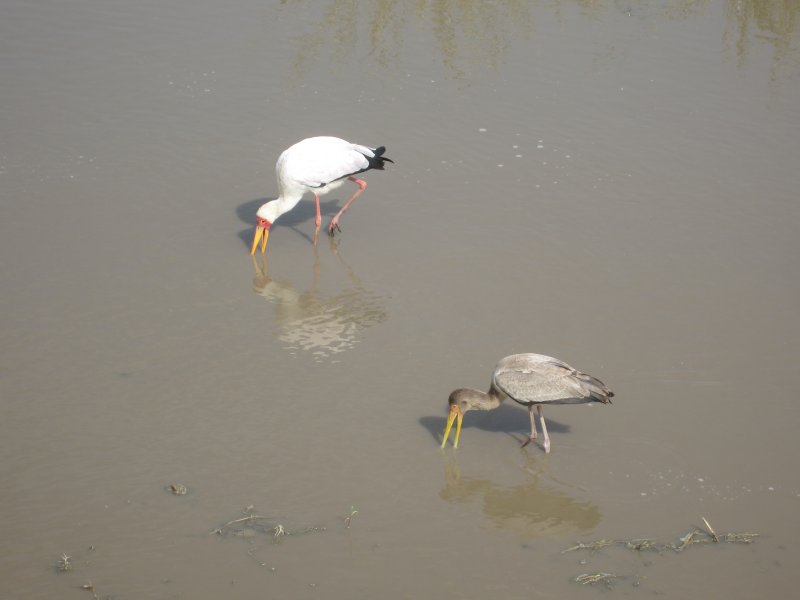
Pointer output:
688, 539
592, 578
593, 546
349, 518
741, 538
711, 529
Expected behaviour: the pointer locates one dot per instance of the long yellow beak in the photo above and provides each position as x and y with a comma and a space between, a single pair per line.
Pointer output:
261, 235
454, 413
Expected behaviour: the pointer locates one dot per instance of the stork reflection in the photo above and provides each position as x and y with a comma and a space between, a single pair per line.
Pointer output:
319, 321
530, 509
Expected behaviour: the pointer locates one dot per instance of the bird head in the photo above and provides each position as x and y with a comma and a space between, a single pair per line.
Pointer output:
460, 401
265, 217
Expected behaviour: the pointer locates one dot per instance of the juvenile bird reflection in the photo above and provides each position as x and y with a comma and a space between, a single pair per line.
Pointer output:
530, 509
321, 322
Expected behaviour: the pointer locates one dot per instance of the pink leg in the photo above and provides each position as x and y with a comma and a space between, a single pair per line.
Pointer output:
362, 185
532, 437
318, 220
544, 429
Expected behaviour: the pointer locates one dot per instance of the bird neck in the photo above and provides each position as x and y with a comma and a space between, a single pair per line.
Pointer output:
275, 208
479, 400
494, 396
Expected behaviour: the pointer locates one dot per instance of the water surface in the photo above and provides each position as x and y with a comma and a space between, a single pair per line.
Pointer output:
612, 184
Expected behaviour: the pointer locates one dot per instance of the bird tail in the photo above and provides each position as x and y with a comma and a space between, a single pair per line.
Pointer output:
376, 161
598, 391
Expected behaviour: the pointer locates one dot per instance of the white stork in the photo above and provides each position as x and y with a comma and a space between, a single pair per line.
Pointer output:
317, 165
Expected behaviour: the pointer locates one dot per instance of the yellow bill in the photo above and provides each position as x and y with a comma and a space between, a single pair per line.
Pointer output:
261, 235
455, 413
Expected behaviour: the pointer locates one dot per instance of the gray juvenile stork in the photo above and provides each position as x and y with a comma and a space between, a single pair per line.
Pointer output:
317, 165
531, 380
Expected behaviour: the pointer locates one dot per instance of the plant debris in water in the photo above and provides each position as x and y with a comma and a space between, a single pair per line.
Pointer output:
349, 518
64, 563
607, 579
695, 536
252, 524
89, 586
177, 488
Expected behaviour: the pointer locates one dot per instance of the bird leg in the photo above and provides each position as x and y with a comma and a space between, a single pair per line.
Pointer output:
318, 220
546, 444
362, 185
544, 429
532, 437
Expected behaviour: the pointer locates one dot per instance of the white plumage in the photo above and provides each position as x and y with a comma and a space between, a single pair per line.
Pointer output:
317, 165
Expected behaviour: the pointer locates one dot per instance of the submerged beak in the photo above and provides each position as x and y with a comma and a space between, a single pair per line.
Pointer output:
261, 235
454, 413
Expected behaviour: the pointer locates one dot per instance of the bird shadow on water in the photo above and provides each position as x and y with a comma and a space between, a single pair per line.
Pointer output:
322, 320
507, 418
300, 219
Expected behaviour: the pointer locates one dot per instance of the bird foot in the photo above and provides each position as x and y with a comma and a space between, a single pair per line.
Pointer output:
532, 438
333, 227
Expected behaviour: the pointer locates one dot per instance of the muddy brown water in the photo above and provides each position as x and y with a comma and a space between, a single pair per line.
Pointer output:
611, 183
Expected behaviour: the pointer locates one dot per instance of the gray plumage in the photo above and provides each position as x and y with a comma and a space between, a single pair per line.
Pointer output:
538, 379
531, 380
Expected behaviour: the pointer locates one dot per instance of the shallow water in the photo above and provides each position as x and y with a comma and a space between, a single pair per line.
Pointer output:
612, 184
